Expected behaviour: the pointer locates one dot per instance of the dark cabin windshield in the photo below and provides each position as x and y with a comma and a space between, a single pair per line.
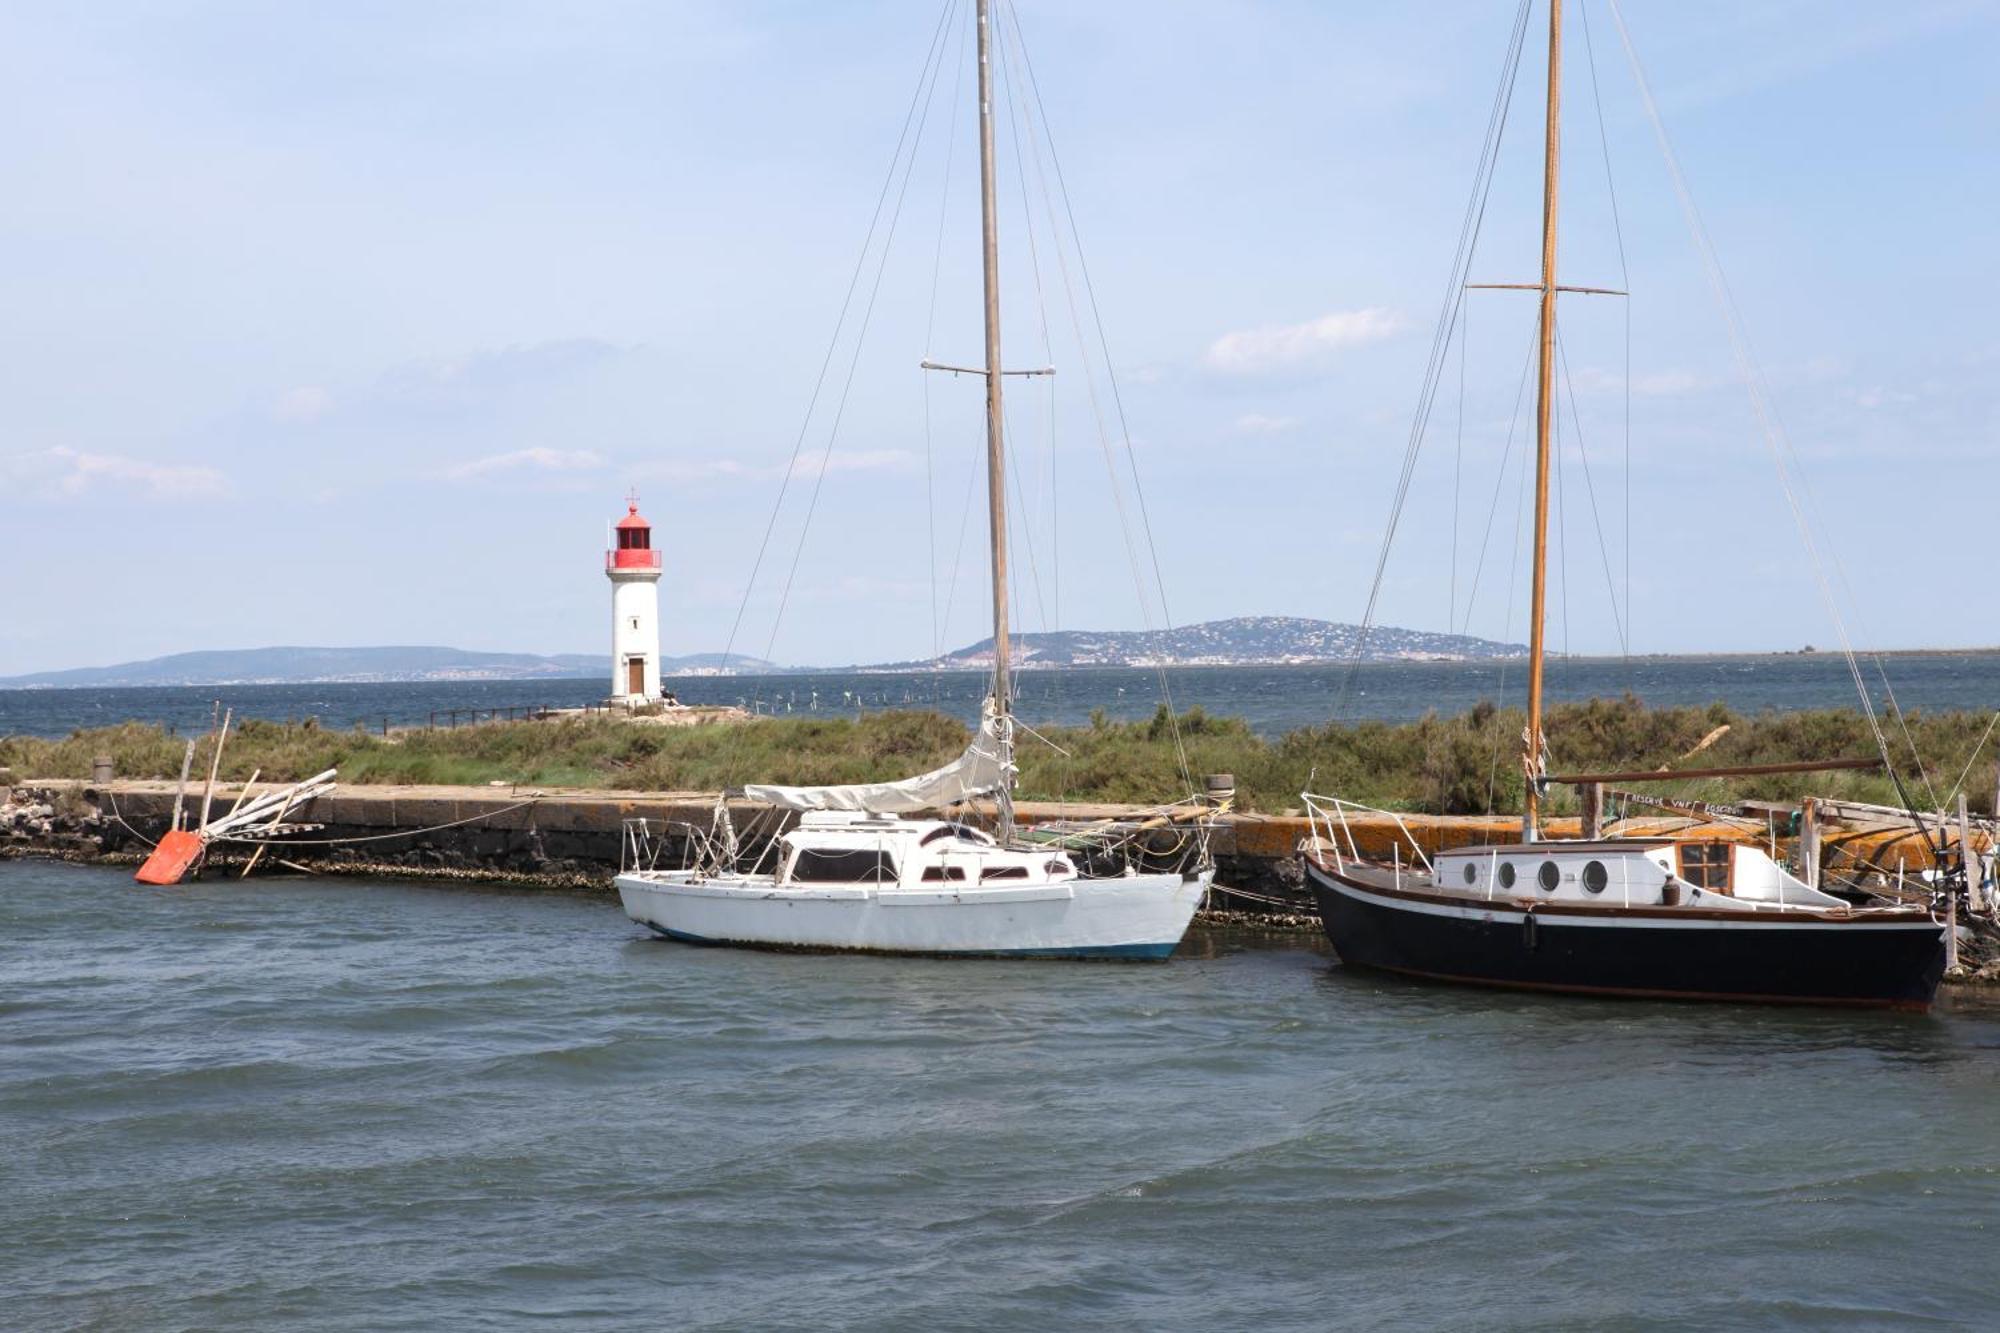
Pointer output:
823, 865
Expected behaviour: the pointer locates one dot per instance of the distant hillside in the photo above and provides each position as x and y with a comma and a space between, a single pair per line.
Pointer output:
291, 665
1243, 641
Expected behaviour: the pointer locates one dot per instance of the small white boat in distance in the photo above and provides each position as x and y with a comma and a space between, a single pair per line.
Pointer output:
853, 881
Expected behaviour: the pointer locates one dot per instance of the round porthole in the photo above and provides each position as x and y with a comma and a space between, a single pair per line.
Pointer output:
1549, 876
1472, 872
1595, 877
1506, 874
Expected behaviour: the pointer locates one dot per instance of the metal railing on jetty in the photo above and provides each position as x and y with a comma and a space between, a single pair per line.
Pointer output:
448, 718
453, 717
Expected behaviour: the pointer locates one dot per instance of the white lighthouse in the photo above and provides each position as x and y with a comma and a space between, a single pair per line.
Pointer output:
633, 567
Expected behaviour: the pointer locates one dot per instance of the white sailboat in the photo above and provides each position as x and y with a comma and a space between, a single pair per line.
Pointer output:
861, 872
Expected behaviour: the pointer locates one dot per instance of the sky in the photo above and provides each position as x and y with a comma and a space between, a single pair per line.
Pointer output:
355, 324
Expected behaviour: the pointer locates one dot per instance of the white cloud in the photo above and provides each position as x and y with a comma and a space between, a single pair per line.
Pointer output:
539, 459
806, 468
1649, 384
308, 402
62, 471
1281, 347
1256, 423
858, 460
482, 376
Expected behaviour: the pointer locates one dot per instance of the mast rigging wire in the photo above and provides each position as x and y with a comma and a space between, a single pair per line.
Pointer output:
1454, 299
861, 335
1625, 284
833, 343
930, 332
1603, 551
1777, 443
1110, 373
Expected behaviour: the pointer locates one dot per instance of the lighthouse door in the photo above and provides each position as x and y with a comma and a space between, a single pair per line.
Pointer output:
635, 676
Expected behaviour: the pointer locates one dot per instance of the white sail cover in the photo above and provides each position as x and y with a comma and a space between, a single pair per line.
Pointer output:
981, 770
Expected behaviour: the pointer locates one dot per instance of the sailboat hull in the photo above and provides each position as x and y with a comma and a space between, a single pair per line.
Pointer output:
1894, 963
1129, 917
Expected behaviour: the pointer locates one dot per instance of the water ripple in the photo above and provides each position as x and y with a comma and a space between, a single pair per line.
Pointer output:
371, 1105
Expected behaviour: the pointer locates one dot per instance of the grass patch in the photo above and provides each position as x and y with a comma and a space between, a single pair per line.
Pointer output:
1458, 765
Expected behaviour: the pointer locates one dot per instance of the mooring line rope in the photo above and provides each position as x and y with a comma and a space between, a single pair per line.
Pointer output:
381, 837
111, 797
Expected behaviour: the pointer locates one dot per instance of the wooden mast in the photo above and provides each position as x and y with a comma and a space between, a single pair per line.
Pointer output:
996, 454
1544, 406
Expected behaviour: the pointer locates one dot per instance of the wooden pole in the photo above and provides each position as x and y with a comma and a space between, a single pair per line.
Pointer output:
243, 795
277, 817
180, 792
1951, 933
1732, 771
1544, 405
996, 452
1592, 794
1968, 861
1809, 843
214, 765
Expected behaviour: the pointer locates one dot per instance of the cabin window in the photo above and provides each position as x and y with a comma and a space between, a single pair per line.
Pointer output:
1706, 865
1055, 868
1595, 877
1472, 872
1003, 872
1506, 874
944, 874
1549, 876
826, 865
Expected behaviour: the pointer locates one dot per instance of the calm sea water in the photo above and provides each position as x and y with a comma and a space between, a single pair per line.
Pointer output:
318, 1105
1274, 699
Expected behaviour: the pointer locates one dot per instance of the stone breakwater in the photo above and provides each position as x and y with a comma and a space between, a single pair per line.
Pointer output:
561, 839
51, 822
573, 839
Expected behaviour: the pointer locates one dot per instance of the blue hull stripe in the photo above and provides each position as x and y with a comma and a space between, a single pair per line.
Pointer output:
1131, 951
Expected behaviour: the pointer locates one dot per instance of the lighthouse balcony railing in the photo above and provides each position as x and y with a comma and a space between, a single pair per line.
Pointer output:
631, 559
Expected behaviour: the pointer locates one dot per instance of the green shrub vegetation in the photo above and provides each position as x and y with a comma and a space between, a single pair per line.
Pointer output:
1460, 765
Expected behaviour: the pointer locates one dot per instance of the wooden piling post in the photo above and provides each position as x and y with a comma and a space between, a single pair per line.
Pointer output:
1809, 843
1968, 861
1951, 933
1592, 797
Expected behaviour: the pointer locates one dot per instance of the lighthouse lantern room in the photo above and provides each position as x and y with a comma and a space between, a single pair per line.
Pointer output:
633, 567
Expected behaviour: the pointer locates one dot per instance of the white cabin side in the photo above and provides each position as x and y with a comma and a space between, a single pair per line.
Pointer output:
1626, 874
841, 847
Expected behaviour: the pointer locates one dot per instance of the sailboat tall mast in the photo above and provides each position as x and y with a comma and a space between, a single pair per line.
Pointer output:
1544, 406
996, 451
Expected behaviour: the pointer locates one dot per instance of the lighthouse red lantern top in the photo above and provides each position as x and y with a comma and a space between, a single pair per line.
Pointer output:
634, 550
